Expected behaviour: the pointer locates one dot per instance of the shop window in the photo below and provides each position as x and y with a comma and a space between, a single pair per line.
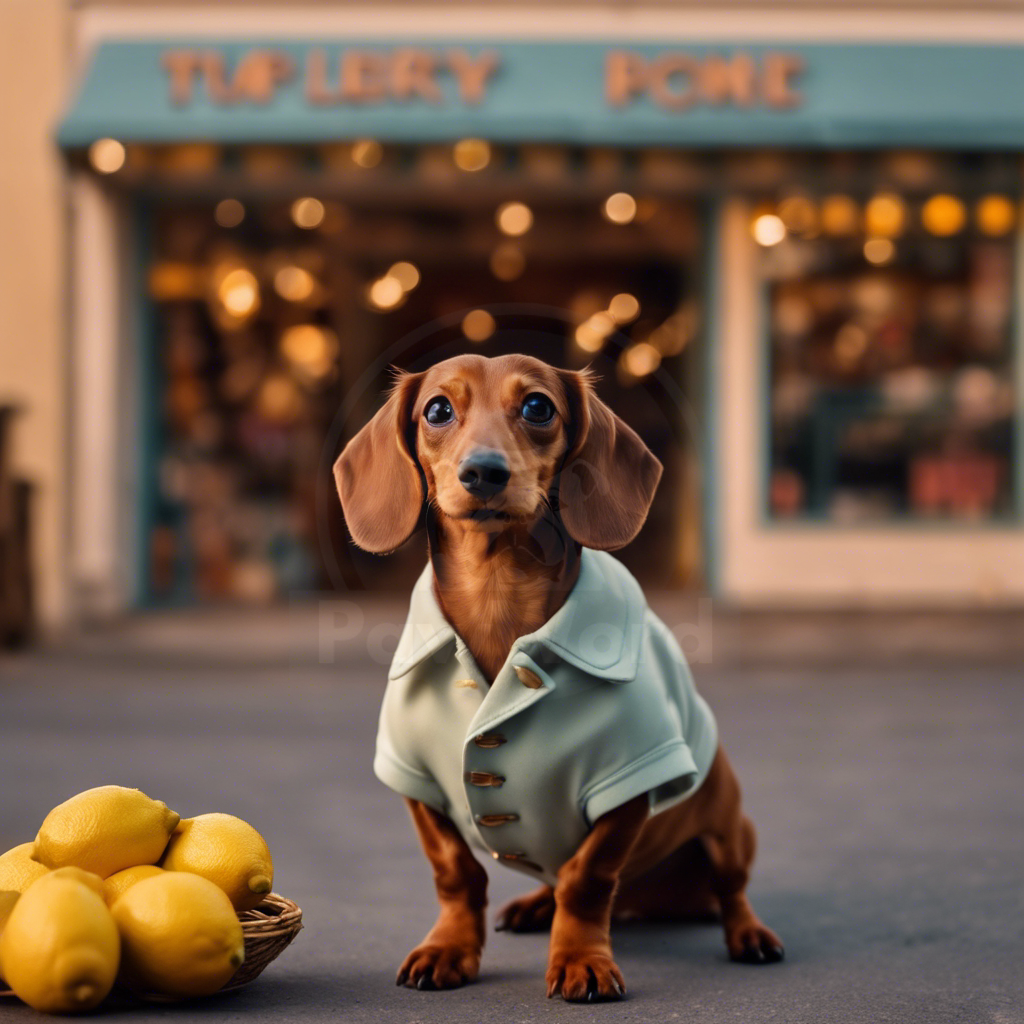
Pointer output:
271, 316
891, 370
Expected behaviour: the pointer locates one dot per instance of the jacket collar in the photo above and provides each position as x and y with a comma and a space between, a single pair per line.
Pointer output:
597, 630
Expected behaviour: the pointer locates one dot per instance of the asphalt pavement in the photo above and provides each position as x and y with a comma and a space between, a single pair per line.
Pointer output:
889, 803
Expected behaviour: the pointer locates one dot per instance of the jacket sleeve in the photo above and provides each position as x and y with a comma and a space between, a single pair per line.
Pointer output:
668, 734
395, 762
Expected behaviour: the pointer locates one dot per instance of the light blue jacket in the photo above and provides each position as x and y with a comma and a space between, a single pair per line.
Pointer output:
594, 708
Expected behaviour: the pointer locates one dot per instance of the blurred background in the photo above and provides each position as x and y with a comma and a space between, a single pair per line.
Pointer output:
785, 235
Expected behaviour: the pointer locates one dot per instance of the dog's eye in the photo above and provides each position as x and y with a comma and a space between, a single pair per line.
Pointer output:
439, 410
537, 408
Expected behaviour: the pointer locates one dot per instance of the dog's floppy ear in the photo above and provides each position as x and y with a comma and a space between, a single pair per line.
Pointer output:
609, 476
377, 476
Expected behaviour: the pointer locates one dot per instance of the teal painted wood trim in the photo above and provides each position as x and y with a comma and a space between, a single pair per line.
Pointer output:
851, 95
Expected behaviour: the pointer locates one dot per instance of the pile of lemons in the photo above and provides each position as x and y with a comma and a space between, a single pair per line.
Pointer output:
116, 886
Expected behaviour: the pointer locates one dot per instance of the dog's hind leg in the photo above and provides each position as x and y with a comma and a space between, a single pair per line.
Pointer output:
530, 913
677, 889
731, 850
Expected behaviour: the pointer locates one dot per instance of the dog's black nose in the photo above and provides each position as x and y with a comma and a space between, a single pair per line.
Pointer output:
484, 473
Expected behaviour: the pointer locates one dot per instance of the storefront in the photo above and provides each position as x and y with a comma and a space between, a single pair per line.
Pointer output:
794, 264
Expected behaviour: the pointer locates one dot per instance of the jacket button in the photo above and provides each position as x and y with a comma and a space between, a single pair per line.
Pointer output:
528, 677
492, 820
519, 858
484, 779
489, 740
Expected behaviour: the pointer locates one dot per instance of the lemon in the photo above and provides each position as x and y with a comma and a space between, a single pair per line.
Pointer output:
121, 881
59, 951
180, 935
227, 851
18, 870
104, 830
7, 901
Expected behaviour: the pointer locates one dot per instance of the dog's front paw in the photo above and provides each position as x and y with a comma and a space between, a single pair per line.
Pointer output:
584, 977
433, 966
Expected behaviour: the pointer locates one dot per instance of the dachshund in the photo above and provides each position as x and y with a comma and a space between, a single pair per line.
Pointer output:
524, 478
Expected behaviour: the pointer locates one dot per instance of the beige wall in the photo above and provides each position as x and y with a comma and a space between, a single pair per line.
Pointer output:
32, 86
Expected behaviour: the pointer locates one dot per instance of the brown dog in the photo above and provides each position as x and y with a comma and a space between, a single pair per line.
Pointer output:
521, 467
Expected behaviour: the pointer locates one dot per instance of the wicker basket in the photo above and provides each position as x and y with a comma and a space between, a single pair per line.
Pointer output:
268, 930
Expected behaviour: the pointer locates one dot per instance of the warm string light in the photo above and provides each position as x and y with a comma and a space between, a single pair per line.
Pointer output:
238, 292
385, 293
406, 274
885, 217
995, 215
840, 215
311, 350
594, 330
107, 156
229, 213
471, 154
768, 229
624, 308
389, 291
478, 325
943, 215
308, 213
514, 218
620, 208
508, 261
367, 153
879, 251
294, 284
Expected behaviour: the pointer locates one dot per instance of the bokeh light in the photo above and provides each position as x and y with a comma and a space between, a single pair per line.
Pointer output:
229, 213
768, 229
367, 153
620, 208
406, 274
294, 283
879, 251
107, 156
594, 331
308, 213
385, 293
478, 325
885, 215
624, 308
799, 214
514, 218
471, 154
995, 215
239, 292
507, 262
840, 215
642, 359
311, 349
943, 215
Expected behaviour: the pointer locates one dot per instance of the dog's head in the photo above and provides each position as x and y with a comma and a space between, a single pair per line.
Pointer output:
490, 442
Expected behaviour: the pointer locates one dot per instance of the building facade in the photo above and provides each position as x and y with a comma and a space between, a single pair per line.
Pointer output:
786, 235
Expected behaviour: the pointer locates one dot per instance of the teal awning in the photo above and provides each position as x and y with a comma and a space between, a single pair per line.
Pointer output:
615, 93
